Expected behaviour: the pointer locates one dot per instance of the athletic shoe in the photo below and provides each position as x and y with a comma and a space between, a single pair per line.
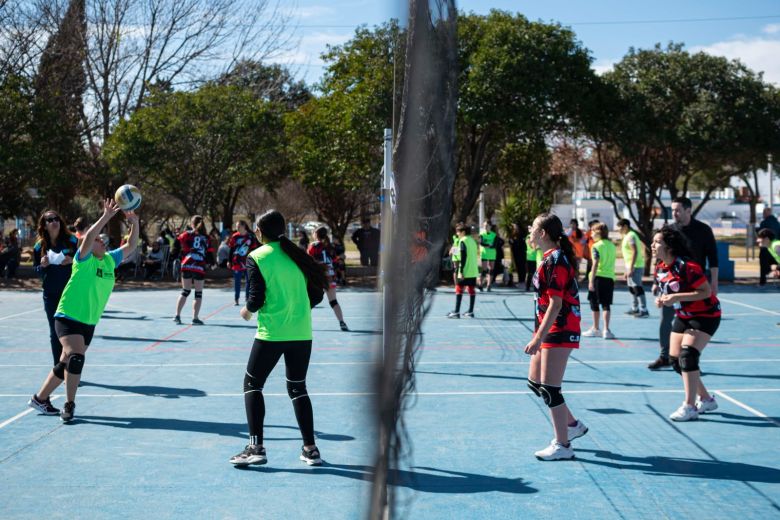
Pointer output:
237, 303
66, 415
311, 457
632, 312
706, 406
608, 334
555, 451
43, 406
196, 321
454, 315
343, 326
468, 314
642, 314
684, 413
660, 363
250, 455
591, 333
577, 431
177, 320
489, 288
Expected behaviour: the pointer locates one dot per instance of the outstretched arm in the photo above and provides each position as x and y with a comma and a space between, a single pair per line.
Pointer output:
132, 242
110, 208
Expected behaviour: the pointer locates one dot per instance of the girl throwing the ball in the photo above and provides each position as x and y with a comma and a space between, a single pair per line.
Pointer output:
81, 306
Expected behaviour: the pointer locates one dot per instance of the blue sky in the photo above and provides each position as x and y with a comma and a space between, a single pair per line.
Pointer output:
748, 30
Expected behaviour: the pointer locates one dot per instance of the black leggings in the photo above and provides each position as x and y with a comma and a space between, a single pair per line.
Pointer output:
50, 303
264, 357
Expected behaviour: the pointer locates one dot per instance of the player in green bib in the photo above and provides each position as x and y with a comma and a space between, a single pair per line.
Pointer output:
634, 259
487, 254
467, 272
455, 256
81, 306
768, 240
601, 281
284, 284
532, 261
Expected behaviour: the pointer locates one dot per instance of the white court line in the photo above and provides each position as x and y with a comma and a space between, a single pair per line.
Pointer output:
746, 407
363, 363
19, 314
748, 306
21, 414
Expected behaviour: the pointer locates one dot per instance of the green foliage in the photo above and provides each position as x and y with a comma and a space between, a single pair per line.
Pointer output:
16, 146
272, 83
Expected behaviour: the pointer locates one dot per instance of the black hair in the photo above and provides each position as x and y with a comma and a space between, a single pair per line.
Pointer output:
624, 222
684, 201
272, 226
245, 224
553, 226
766, 233
198, 224
675, 241
321, 233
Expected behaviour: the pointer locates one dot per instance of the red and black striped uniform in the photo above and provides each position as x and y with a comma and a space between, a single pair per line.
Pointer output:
556, 277
195, 249
684, 276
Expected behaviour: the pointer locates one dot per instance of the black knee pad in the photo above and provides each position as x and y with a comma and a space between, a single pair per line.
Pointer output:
75, 363
534, 386
251, 384
689, 359
675, 364
333, 302
59, 370
552, 395
632, 290
198, 295
639, 290
186, 292
296, 389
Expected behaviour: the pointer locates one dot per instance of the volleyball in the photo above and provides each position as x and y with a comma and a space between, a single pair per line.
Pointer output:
128, 197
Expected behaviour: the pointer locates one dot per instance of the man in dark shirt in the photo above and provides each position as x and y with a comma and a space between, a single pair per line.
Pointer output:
367, 241
765, 259
701, 244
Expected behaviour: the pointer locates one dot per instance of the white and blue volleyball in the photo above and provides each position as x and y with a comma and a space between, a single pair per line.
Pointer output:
128, 197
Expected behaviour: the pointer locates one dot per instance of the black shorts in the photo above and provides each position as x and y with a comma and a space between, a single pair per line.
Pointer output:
706, 325
186, 275
467, 282
605, 288
67, 327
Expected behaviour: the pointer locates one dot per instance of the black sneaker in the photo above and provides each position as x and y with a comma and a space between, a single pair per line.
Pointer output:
196, 321
632, 312
343, 326
66, 415
311, 457
453, 315
660, 363
177, 320
250, 455
43, 406
642, 314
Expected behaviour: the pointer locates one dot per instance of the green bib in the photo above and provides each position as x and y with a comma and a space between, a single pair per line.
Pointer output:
456, 246
488, 251
640, 249
530, 252
773, 250
285, 315
471, 269
87, 292
607, 253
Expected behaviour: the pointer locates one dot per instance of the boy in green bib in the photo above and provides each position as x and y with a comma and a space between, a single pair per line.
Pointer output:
601, 281
468, 270
487, 254
634, 259
81, 306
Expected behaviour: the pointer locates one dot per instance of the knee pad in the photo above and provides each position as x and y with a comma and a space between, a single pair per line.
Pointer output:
75, 363
59, 370
296, 389
534, 386
471, 290
251, 384
639, 290
675, 364
689, 359
198, 295
458, 289
552, 395
186, 292
632, 291
333, 302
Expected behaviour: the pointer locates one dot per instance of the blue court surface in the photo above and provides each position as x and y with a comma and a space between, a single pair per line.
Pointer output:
161, 411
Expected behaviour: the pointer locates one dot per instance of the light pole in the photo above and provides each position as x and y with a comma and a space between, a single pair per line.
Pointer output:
771, 184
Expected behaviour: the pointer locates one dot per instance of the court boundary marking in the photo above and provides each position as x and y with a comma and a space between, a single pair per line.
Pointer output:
742, 405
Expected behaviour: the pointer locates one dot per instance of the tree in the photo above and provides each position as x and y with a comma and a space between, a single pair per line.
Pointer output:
202, 147
16, 147
272, 83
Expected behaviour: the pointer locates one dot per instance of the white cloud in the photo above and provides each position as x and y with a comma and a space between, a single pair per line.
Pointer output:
758, 53
312, 11
772, 28
603, 66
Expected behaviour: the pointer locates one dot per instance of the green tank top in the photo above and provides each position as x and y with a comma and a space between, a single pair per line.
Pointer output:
773, 250
530, 251
488, 251
285, 315
640, 249
471, 269
86, 294
456, 248
607, 252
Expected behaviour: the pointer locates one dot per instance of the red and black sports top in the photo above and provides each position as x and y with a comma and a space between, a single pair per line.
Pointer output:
683, 276
556, 277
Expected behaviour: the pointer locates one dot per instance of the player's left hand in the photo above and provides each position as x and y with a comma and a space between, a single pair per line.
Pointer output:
533, 346
244, 312
668, 299
131, 216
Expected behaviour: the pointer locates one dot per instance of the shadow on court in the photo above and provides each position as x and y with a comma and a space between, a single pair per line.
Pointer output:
524, 378
110, 317
749, 376
141, 340
431, 480
153, 391
741, 420
679, 467
238, 430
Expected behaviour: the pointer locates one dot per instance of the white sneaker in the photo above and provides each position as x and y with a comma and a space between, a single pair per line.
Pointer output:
555, 451
608, 334
684, 413
591, 333
706, 406
577, 431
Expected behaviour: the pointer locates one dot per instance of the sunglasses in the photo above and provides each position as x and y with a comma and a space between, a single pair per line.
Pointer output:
52, 219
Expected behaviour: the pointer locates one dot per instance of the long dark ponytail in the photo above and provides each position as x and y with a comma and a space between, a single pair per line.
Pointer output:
272, 226
553, 226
